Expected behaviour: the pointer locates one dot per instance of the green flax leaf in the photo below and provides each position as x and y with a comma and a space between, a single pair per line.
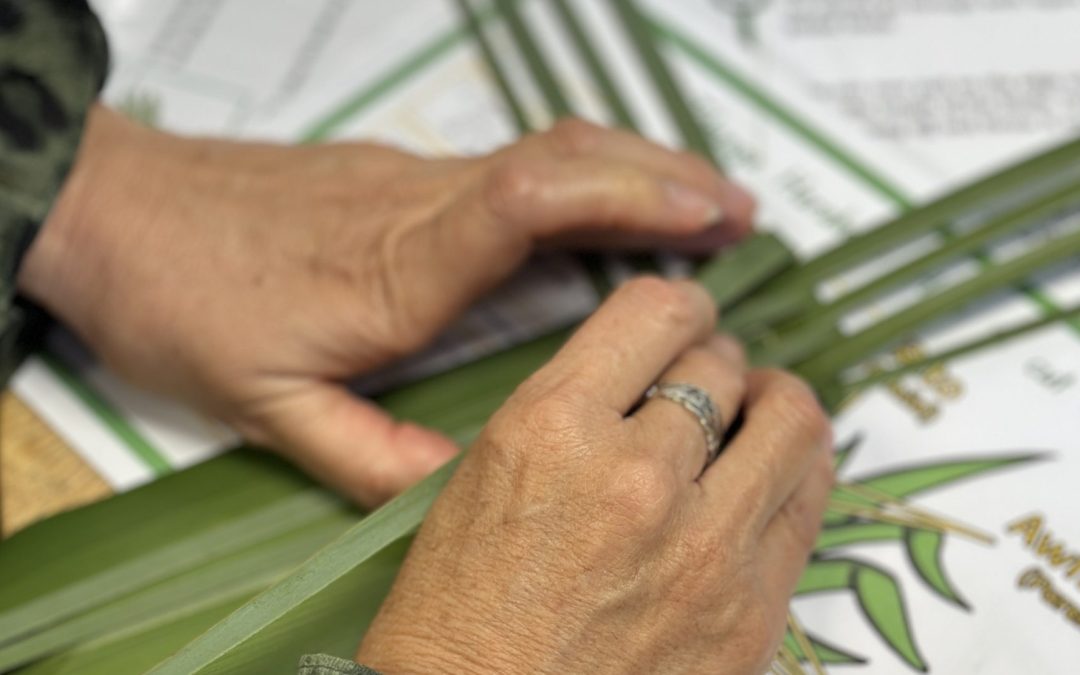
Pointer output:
349, 575
534, 58
94, 555
200, 585
937, 214
1054, 316
848, 351
677, 103
514, 108
139, 649
600, 76
140, 571
736, 273
1029, 212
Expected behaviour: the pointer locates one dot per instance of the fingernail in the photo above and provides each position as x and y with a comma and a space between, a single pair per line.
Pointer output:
690, 201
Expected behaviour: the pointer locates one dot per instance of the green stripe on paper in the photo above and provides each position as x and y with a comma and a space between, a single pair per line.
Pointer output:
109, 416
397, 75
766, 104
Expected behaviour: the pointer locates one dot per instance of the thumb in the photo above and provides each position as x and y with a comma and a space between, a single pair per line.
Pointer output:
351, 445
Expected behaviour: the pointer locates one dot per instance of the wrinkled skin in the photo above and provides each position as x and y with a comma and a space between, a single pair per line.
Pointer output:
250, 280
579, 534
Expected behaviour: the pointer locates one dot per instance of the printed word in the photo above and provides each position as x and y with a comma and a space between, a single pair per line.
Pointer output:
1042, 544
1043, 372
1034, 578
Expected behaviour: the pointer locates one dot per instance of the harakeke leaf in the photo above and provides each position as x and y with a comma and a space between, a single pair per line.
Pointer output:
337, 580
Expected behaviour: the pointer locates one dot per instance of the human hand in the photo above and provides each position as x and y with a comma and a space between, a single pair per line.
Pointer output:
579, 534
250, 280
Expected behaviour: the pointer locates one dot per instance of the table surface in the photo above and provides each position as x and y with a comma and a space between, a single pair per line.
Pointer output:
39, 473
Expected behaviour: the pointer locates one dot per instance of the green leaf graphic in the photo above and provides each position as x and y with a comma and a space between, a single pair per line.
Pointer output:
844, 452
881, 601
907, 481
859, 533
878, 595
826, 575
826, 653
924, 550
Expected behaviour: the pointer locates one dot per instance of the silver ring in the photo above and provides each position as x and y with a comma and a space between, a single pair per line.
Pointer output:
698, 403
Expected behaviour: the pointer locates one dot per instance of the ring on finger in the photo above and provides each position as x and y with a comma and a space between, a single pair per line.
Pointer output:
698, 403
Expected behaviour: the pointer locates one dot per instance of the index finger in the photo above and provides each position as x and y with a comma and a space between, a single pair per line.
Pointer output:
631, 339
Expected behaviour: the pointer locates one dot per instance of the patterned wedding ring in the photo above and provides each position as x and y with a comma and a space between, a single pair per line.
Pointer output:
698, 403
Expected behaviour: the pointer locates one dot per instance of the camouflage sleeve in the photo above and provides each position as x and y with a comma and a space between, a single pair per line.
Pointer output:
53, 60
321, 664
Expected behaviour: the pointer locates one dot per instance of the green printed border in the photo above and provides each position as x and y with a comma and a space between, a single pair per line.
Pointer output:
109, 416
362, 99
765, 103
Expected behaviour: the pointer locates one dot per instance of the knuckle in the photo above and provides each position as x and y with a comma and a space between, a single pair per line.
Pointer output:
574, 137
801, 522
555, 422
510, 187
698, 164
796, 401
671, 303
719, 375
641, 493
705, 552
553, 416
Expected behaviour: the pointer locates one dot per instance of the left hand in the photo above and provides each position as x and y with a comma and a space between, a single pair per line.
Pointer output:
250, 280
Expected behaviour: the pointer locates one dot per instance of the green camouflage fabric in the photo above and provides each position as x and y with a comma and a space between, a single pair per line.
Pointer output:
53, 61
320, 664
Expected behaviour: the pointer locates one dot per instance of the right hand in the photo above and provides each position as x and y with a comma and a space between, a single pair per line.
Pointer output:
581, 535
